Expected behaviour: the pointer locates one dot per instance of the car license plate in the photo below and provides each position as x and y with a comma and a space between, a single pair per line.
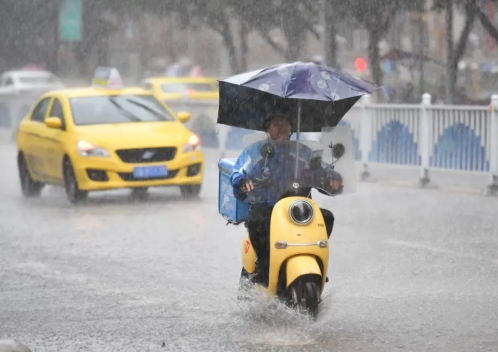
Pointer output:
150, 172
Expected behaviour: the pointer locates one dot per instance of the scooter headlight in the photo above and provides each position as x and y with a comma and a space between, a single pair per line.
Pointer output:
301, 212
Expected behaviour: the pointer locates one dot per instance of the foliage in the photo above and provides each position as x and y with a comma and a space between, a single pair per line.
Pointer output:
29, 28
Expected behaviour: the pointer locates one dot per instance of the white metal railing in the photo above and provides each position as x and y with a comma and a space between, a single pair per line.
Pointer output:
424, 136
458, 138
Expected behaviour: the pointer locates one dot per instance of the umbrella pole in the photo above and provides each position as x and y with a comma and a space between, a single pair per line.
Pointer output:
297, 135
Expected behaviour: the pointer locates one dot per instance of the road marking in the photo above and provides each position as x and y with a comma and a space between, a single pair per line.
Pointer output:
439, 250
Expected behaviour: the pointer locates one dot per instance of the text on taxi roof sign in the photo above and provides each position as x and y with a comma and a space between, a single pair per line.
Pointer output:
107, 77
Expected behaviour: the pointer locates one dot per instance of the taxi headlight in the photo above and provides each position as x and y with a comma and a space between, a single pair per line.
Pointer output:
193, 144
301, 212
87, 149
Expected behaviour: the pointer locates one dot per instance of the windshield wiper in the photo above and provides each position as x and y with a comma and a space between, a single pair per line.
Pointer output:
128, 114
148, 108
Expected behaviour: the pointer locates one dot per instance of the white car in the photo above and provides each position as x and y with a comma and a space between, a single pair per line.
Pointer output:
37, 82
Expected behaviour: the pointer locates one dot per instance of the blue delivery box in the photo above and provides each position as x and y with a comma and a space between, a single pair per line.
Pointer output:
228, 206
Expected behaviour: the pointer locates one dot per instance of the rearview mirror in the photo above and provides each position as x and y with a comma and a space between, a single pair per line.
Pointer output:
338, 150
53, 122
267, 150
183, 116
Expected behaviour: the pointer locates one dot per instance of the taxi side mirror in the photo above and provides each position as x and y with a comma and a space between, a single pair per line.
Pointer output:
53, 122
183, 116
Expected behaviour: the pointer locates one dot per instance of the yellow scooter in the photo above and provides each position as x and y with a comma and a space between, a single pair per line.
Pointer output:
299, 248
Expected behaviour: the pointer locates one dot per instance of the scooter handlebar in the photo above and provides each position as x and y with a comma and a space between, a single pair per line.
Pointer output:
328, 180
260, 183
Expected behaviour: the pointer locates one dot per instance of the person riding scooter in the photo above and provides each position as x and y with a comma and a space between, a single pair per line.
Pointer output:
278, 128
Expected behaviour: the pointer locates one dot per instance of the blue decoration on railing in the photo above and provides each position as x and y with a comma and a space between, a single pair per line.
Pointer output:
460, 148
395, 145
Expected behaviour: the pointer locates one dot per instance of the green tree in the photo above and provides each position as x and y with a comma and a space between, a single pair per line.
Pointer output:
473, 11
295, 19
96, 30
28, 33
376, 17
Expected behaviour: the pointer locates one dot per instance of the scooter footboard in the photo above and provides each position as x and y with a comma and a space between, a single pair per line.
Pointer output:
248, 255
300, 265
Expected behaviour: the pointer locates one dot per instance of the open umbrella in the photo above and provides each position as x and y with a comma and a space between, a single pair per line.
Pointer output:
315, 96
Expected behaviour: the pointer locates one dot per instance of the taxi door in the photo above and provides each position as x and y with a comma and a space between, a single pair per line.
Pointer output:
53, 142
32, 130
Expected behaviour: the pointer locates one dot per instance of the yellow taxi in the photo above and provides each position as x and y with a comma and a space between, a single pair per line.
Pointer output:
182, 88
106, 137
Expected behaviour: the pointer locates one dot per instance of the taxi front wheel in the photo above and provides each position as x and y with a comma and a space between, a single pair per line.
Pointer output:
190, 191
73, 193
30, 188
139, 193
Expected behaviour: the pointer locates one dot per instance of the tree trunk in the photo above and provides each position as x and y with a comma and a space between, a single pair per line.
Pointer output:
294, 31
274, 45
459, 51
486, 23
421, 59
374, 57
102, 52
227, 36
244, 48
171, 35
377, 26
330, 35
52, 37
450, 68
81, 54
295, 38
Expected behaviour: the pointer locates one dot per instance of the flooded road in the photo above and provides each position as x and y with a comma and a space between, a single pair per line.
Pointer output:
410, 270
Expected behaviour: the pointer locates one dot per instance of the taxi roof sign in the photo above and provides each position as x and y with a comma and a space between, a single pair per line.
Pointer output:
107, 77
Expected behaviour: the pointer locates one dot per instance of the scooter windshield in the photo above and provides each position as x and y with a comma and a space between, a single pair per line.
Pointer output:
279, 169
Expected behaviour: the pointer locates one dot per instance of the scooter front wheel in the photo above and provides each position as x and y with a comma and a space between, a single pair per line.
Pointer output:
305, 296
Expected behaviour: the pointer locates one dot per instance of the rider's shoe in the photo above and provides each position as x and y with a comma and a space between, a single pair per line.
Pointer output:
256, 275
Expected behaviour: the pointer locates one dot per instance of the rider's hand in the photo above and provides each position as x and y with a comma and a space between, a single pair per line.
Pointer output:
247, 186
335, 185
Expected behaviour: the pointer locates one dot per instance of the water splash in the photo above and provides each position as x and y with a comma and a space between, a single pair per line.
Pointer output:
267, 320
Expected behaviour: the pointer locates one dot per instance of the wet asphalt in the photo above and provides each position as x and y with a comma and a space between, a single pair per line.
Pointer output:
410, 270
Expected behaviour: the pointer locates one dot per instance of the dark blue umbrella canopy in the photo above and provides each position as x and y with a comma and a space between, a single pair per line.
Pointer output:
324, 94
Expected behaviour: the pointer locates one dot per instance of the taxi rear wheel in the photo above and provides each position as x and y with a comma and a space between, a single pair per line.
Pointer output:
73, 193
190, 191
30, 188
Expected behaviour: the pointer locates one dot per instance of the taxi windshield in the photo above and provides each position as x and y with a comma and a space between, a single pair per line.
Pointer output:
118, 109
